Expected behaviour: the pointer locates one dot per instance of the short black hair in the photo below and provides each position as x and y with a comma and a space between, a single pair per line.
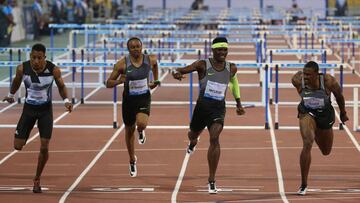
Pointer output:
133, 38
39, 47
313, 65
219, 39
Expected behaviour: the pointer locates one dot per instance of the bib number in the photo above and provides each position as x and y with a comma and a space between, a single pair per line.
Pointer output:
138, 87
215, 90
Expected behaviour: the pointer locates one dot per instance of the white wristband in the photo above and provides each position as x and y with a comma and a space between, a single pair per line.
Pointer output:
66, 100
11, 95
174, 71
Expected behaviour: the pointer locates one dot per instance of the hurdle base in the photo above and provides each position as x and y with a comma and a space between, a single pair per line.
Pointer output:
270, 101
73, 100
115, 125
82, 100
19, 100
267, 126
276, 126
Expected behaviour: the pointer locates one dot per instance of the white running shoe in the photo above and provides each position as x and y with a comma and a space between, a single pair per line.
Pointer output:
133, 169
302, 190
212, 187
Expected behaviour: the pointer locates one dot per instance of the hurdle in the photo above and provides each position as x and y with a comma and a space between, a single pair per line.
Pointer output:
305, 52
350, 57
356, 103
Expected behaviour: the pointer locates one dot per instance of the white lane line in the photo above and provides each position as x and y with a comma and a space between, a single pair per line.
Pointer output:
180, 178
97, 157
92, 163
37, 134
277, 159
348, 132
167, 127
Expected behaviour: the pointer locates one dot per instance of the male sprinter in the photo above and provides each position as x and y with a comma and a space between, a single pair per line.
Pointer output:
214, 76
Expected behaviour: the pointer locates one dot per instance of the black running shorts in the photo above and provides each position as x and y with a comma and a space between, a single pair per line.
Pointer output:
324, 118
207, 113
133, 105
32, 113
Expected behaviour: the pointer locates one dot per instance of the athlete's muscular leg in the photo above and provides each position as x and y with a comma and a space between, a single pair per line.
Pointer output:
141, 121
193, 137
214, 149
19, 143
129, 138
307, 130
43, 157
324, 139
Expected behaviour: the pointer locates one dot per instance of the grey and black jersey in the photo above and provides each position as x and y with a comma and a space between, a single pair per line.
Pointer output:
314, 99
38, 86
214, 84
137, 77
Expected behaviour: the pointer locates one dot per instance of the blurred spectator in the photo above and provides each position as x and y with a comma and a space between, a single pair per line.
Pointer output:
7, 23
38, 22
115, 6
57, 9
80, 12
197, 5
341, 8
295, 13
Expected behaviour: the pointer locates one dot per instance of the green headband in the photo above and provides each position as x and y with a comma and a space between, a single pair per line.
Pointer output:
220, 45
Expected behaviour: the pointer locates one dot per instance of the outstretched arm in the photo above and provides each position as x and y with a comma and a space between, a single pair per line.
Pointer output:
234, 88
15, 84
296, 81
119, 70
155, 71
198, 66
62, 88
336, 90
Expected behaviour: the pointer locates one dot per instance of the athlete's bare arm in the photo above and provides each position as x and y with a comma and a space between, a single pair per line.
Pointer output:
296, 81
15, 84
61, 87
155, 68
198, 66
119, 70
332, 85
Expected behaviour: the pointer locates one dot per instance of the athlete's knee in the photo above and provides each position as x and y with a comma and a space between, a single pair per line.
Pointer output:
19, 144
192, 135
141, 126
214, 140
326, 151
18, 147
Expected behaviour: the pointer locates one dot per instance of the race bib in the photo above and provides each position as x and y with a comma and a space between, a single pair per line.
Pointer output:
215, 90
314, 103
138, 87
36, 96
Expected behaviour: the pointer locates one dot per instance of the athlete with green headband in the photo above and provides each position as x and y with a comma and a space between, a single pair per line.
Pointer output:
214, 75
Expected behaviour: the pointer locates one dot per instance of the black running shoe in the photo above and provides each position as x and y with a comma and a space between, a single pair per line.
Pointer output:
142, 137
212, 187
132, 168
37, 187
190, 149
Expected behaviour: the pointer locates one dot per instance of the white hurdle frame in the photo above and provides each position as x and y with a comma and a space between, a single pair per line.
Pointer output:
356, 110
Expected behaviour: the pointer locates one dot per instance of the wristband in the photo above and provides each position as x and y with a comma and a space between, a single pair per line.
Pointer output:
11, 95
66, 100
174, 71
156, 82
